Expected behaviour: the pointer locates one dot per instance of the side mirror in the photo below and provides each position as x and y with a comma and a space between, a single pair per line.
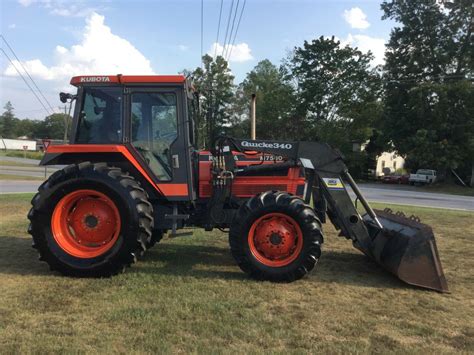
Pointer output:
63, 97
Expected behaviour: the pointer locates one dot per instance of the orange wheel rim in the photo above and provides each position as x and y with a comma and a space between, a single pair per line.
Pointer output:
275, 239
85, 223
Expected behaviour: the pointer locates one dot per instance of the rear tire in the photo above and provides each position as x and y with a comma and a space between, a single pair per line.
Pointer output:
77, 209
156, 236
276, 237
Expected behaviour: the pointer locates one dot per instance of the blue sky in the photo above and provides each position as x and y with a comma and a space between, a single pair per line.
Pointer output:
58, 39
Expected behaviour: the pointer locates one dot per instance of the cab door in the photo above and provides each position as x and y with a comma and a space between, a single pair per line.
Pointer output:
158, 133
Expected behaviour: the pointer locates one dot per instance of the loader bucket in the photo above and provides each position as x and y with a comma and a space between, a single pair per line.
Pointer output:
407, 249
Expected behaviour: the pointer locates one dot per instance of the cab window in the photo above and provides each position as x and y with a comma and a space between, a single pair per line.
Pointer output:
154, 128
100, 119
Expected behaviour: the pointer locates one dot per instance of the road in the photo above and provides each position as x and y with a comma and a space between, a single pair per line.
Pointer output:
410, 195
25, 167
402, 195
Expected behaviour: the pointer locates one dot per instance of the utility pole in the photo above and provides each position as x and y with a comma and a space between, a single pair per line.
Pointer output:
253, 113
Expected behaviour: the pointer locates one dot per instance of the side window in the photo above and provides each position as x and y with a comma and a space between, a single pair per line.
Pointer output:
154, 129
100, 119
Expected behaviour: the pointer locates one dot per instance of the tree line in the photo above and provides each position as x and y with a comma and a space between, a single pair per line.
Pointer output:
420, 103
51, 127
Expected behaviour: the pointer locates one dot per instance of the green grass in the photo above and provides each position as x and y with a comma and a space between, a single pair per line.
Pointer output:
20, 177
187, 295
16, 164
22, 154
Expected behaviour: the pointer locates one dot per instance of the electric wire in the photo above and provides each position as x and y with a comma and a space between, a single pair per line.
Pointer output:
227, 29
232, 28
202, 31
236, 30
26, 82
26, 71
218, 30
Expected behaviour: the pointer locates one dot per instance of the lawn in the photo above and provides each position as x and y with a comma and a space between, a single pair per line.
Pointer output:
20, 177
186, 295
16, 164
22, 154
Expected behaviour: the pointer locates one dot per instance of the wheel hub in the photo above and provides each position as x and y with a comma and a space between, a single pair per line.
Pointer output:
85, 223
91, 221
275, 239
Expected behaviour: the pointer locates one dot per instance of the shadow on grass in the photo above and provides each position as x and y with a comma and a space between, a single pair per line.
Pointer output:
18, 257
334, 266
198, 261
355, 269
209, 262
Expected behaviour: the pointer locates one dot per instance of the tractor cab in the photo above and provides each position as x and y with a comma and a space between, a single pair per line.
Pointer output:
152, 116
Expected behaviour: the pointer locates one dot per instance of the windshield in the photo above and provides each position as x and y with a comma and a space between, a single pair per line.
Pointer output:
425, 172
100, 119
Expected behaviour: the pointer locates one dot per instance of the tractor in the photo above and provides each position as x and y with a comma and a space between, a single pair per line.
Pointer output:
133, 174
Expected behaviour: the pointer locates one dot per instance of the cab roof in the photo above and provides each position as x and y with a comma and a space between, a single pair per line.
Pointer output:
127, 79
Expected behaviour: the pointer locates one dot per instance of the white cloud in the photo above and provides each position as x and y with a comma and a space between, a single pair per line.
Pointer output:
356, 18
72, 11
61, 7
26, 3
238, 53
183, 48
12, 26
366, 43
100, 52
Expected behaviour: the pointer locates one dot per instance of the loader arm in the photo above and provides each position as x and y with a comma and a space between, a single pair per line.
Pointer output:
403, 246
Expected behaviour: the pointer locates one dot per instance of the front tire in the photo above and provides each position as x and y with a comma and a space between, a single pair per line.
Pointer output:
90, 220
276, 237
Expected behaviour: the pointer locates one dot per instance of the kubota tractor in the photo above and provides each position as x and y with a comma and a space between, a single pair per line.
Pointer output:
133, 173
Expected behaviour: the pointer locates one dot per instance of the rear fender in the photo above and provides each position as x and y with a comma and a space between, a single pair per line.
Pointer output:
117, 155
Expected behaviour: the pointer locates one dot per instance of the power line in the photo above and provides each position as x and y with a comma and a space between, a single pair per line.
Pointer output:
233, 24
28, 110
29, 76
26, 82
236, 30
227, 29
218, 30
202, 30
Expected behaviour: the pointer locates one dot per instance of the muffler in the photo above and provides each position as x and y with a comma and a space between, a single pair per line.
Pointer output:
406, 248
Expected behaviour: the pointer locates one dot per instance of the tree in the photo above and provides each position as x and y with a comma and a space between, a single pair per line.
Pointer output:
8, 122
27, 128
428, 94
274, 101
336, 93
52, 127
214, 82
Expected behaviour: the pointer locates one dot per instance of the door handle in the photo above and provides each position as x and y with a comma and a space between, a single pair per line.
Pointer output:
175, 159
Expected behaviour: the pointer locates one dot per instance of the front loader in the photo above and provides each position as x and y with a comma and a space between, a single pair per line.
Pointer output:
133, 174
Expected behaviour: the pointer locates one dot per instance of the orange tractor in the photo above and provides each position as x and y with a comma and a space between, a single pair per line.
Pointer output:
133, 173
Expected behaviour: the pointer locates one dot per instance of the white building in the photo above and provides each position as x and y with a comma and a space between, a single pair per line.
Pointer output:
388, 163
17, 144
